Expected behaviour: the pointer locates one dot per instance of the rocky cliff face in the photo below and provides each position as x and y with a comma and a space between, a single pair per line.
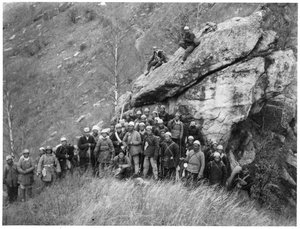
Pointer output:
237, 73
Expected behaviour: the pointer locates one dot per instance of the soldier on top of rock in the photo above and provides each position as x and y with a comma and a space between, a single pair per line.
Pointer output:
157, 59
188, 42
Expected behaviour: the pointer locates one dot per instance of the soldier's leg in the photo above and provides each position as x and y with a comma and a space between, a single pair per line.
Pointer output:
9, 193
182, 44
187, 52
152, 63
29, 191
158, 64
136, 163
154, 168
146, 166
23, 193
15, 193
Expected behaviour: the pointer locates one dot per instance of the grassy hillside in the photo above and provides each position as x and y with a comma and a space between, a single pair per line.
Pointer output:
92, 201
54, 58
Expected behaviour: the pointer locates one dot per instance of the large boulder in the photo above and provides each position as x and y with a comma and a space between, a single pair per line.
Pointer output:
232, 41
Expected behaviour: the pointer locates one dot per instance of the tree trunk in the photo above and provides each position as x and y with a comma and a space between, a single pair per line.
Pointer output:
116, 76
9, 121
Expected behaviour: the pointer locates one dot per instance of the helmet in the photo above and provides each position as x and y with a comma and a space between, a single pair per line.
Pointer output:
9, 157
42, 148
25, 151
138, 112
169, 134
186, 28
159, 121
149, 128
197, 143
216, 154
143, 116
190, 138
131, 123
95, 128
141, 124
219, 147
63, 139
146, 109
118, 125
86, 130
177, 114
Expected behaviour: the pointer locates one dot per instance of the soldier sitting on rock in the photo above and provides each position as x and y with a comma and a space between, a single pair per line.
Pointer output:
157, 59
188, 42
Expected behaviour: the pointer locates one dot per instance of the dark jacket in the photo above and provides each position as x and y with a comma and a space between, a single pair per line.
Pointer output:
153, 146
116, 143
83, 145
157, 130
61, 153
10, 175
164, 116
158, 56
217, 173
170, 154
226, 162
188, 38
196, 132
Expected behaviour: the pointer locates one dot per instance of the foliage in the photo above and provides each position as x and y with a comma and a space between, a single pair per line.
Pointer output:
83, 200
73, 15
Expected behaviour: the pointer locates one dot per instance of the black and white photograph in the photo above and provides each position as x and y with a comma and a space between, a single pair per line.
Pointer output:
149, 113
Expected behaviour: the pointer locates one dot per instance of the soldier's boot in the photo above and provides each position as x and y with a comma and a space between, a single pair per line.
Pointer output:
23, 195
29, 192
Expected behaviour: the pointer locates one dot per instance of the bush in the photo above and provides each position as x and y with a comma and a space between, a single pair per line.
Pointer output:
73, 15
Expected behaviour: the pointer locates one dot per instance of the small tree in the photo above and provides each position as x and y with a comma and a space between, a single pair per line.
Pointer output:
117, 45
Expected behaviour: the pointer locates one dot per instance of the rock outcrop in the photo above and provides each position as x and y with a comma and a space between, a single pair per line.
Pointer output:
233, 72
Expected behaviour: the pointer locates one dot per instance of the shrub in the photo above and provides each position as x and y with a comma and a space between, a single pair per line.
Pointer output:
73, 15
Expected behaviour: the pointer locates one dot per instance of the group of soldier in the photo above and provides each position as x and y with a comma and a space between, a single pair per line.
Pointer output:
144, 145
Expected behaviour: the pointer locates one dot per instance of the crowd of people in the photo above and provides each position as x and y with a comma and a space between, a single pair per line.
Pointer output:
139, 145
152, 146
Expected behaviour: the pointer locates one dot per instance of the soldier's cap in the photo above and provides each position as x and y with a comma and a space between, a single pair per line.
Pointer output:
146, 109
118, 125
86, 130
143, 116
141, 124
197, 143
131, 123
9, 157
191, 138
177, 114
154, 47
149, 128
25, 151
95, 128
219, 147
216, 154
63, 139
42, 148
48, 148
168, 133
122, 121
163, 106
159, 121
138, 112
186, 28
104, 131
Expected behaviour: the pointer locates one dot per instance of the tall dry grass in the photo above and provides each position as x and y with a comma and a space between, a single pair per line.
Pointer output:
84, 200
